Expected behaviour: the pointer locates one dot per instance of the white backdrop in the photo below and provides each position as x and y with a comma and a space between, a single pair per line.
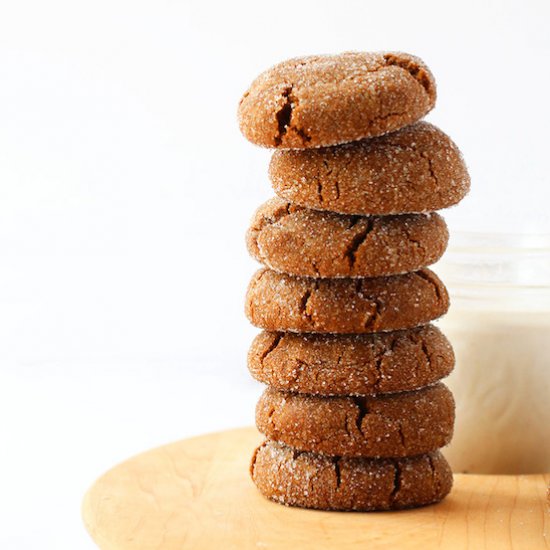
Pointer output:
126, 189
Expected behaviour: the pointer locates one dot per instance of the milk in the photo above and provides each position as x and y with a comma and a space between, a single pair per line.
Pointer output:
501, 385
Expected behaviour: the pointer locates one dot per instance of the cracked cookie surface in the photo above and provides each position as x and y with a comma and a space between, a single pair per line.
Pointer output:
311, 243
311, 480
395, 425
416, 169
325, 100
281, 302
358, 364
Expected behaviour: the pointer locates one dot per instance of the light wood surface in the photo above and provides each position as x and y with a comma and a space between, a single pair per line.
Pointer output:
196, 493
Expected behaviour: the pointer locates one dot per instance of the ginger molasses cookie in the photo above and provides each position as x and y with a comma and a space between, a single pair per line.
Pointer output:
324, 100
351, 364
417, 169
391, 425
296, 240
311, 480
277, 301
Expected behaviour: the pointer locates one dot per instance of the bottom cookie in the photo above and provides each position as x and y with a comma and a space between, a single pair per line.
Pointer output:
311, 480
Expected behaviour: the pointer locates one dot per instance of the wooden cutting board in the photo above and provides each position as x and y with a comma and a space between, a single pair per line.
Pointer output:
197, 494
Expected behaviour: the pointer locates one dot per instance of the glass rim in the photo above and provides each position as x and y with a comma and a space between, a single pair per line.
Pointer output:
497, 262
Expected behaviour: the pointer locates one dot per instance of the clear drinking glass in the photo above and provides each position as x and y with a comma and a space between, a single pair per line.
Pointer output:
499, 326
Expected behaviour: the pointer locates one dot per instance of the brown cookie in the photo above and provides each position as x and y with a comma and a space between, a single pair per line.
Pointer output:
394, 425
276, 301
311, 480
296, 240
417, 169
324, 100
356, 364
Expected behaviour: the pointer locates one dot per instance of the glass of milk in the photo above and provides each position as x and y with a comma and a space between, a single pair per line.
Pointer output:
499, 326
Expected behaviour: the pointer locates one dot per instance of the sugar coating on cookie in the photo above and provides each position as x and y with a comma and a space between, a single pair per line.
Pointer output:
311, 243
416, 169
394, 425
281, 302
311, 480
324, 100
351, 364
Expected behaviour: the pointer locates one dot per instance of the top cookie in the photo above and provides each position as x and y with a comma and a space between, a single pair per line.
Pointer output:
325, 100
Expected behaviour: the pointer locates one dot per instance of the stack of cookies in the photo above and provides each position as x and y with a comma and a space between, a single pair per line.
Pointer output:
354, 412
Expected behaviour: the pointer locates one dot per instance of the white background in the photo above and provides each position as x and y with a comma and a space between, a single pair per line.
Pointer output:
126, 189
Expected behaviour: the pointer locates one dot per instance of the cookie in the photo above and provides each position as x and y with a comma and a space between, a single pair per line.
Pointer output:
417, 169
281, 302
311, 480
394, 425
299, 241
357, 364
323, 100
